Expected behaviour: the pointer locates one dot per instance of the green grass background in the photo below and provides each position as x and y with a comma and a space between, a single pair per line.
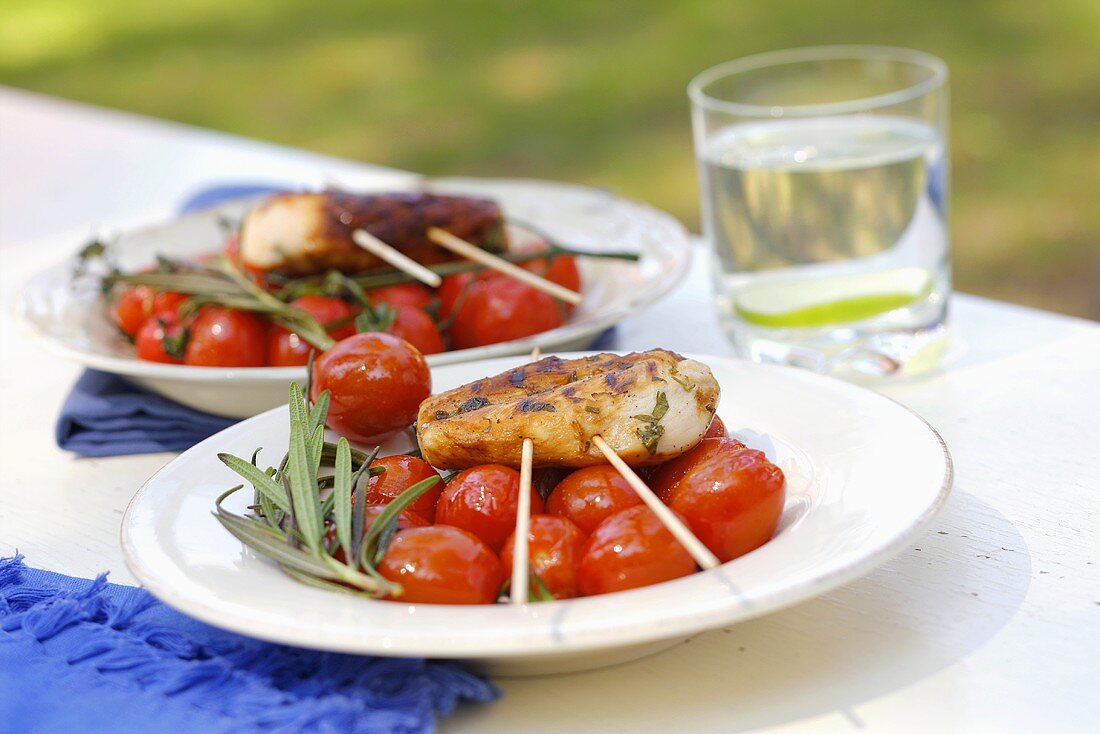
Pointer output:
594, 92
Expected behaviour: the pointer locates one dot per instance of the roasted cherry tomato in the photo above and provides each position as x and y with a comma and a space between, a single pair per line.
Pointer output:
502, 309
401, 473
560, 269
730, 497
666, 476
401, 294
376, 383
225, 337
417, 328
287, 349
442, 565
456, 287
589, 495
405, 520
554, 548
135, 305
716, 429
157, 336
483, 501
631, 548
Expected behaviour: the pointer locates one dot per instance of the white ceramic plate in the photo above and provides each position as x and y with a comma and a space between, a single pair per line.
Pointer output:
75, 323
864, 474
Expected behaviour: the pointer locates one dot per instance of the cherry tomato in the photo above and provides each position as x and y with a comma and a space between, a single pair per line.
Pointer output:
589, 495
401, 294
405, 520
328, 310
716, 429
287, 349
154, 336
168, 302
401, 473
418, 329
554, 547
502, 309
631, 548
730, 497
454, 286
376, 383
560, 269
483, 501
442, 565
667, 475
133, 308
225, 337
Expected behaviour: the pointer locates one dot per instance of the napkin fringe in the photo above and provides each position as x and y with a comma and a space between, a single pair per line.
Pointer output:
272, 686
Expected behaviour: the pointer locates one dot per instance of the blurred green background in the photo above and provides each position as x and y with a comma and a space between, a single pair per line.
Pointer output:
594, 92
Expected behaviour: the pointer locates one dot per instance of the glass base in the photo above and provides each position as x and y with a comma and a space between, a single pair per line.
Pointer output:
846, 352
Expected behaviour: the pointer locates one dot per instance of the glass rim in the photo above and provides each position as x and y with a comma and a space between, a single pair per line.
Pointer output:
818, 53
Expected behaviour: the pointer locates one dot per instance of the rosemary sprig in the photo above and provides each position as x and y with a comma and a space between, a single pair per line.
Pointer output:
296, 504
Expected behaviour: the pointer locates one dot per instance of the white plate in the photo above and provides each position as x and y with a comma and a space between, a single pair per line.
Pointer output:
75, 323
864, 474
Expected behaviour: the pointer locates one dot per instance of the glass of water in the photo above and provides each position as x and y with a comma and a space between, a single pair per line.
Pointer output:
824, 199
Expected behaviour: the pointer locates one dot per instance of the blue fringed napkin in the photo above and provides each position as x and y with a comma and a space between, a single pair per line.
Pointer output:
85, 655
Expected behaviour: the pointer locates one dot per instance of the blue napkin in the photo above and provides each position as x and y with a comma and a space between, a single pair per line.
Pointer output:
105, 415
86, 655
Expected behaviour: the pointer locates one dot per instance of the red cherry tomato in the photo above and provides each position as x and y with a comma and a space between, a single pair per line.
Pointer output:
287, 349
401, 473
560, 269
401, 294
328, 311
667, 475
483, 501
442, 565
225, 337
716, 429
418, 329
502, 309
168, 302
376, 383
554, 547
133, 308
631, 548
731, 498
456, 287
590, 495
152, 339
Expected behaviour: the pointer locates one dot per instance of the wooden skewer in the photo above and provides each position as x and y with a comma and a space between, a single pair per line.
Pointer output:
399, 260
535, 354
460, 246
692, 545
520, 555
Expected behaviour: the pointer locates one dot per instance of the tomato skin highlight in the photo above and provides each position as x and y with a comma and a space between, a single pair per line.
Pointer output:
376, 383
484, 500
554, 547
502, 309
225, 337
418, 329
731, 499
667, 475
630, 549
442, 564
401, 473
590, 495
149, 342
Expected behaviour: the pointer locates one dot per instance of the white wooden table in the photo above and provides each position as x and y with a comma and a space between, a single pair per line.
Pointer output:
990, 622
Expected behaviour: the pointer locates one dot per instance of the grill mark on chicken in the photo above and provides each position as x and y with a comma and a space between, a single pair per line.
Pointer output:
562, 404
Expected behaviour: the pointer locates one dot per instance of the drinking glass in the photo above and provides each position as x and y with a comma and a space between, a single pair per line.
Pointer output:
824, 179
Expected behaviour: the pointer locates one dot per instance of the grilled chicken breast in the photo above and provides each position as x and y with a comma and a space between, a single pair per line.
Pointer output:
648, 406
302, 234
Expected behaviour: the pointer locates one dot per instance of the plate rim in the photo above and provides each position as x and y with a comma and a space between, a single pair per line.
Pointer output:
134, 367
679, 626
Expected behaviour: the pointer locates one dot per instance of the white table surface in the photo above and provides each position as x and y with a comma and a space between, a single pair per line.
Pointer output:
989, 622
